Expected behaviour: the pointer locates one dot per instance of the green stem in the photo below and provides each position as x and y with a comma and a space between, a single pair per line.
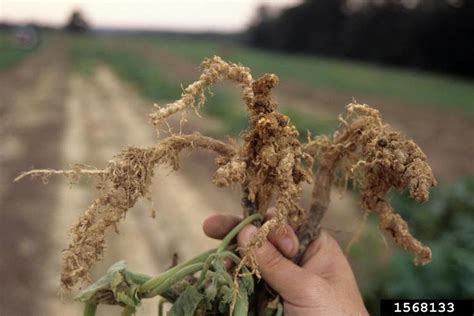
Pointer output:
205, 268
231, 235
279, 311
90, 309
138, 278
162, 285
155, 281
241, 307
236, 259
161, 305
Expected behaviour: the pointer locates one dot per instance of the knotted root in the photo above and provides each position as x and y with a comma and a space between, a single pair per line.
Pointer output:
213, 70
125, 179
271, 163
378, 160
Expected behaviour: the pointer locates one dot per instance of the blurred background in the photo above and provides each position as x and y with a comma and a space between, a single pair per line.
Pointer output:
78, 78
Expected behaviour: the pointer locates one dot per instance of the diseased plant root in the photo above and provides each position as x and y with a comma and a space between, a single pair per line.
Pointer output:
270, 164
125, 179
213, 70
73, 174
270, 160
378, 159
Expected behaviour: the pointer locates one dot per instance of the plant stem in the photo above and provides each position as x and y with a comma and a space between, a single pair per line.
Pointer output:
153, 282
236, 259
139, 278
161, 304
242, 304
249, 207
161, 285
90, 309
162, 282
279, 311
205, 268
231, 235
323, 180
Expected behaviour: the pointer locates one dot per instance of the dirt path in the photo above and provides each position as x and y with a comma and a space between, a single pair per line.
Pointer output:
32, 122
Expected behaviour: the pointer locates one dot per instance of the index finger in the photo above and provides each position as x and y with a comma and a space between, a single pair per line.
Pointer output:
217, 226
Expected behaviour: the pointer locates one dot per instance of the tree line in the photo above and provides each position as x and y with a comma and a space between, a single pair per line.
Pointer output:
436, 35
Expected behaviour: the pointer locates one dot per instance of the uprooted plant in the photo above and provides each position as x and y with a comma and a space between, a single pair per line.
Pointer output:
270, 164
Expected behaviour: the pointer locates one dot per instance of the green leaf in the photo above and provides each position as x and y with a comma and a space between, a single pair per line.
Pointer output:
96, 290
187, 303
226, 294
117, 287
211, 290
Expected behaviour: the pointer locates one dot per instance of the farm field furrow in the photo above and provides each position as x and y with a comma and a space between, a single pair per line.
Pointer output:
31, 132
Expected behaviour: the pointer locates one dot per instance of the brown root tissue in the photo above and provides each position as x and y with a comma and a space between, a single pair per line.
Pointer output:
269, 163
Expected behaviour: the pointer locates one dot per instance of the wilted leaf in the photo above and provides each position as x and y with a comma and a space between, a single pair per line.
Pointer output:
117, 287
187, 303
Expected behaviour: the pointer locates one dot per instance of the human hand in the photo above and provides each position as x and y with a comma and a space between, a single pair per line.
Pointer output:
324, 283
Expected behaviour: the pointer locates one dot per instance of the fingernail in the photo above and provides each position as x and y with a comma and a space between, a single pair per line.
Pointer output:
286, 244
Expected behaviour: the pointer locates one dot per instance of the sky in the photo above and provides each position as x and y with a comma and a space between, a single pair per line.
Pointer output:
179, 15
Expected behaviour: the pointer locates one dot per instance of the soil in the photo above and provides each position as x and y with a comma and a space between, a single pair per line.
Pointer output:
32, 126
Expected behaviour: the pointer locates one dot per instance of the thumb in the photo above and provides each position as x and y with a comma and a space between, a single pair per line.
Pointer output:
293, 283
